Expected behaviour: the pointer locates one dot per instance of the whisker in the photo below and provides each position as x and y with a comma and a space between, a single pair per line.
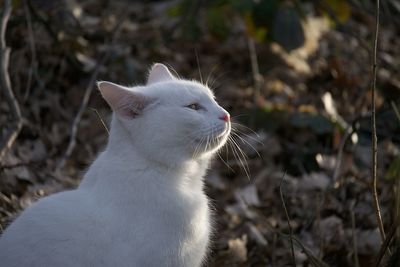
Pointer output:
248, 136
244, 155
243, 161
198, 65
197, 148
236, 125
215, 80
209, 75
173, 70
226, 163
241, 115
244, 141
239, 149
207, 143
227, 153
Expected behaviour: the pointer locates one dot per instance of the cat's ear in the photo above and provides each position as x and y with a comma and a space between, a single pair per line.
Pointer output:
125, 102
159, 73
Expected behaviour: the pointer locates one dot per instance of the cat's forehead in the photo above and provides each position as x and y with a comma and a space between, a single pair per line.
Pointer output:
180, 90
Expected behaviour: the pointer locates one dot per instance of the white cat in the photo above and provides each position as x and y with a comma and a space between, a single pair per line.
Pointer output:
141, 203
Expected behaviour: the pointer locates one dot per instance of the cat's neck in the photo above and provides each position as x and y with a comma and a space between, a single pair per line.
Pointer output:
123, 160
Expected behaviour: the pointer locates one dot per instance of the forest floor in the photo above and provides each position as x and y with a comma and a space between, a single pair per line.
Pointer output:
303, 120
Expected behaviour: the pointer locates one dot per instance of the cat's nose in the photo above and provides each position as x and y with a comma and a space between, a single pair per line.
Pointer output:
225, 117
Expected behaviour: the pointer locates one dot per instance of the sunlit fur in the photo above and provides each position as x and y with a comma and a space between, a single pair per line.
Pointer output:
141, 203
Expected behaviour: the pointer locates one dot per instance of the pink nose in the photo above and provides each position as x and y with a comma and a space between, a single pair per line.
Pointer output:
225, 117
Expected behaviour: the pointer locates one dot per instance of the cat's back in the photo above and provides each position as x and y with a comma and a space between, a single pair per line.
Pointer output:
49, 233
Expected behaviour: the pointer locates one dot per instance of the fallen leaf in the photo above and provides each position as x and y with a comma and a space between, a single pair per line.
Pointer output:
237, 248
314, 181
249, 195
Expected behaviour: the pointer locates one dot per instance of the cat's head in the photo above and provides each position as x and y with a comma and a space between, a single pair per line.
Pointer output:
169, 118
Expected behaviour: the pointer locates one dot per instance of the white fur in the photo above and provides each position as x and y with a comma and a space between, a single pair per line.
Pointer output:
141, 203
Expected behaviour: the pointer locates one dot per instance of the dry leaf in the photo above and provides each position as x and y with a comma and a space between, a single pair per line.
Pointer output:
237, 248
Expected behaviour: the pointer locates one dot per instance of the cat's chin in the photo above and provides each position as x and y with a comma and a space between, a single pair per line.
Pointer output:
209, 145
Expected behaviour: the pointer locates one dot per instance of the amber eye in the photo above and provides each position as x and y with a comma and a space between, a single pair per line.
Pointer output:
194, 106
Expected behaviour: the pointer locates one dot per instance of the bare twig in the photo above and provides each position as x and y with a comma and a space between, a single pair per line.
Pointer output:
15, 112
288, 220
395, 109
32, 47
353, 230
348, 132
397, 187
19, 164
387, 241
374, 138
86, 96
257, 78
273, 260
310, 256
321, 240
314, 261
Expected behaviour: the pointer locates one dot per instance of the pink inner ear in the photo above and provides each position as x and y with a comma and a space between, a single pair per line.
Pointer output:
159, 73
124, 102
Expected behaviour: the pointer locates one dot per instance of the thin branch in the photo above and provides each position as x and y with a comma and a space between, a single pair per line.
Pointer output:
348, 132
254, 68
353, 230
321, 240
374, 138
288, 220
5, 85
386, 243
86, 96
314, 261
397, 200
273, 260
395, 109
19, 164
310, 256
32, 47
257, 77
48, 26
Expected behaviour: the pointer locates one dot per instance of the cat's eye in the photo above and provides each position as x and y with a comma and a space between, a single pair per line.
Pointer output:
194, 106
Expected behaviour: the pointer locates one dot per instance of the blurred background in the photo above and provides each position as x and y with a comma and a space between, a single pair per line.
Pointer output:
295, 76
